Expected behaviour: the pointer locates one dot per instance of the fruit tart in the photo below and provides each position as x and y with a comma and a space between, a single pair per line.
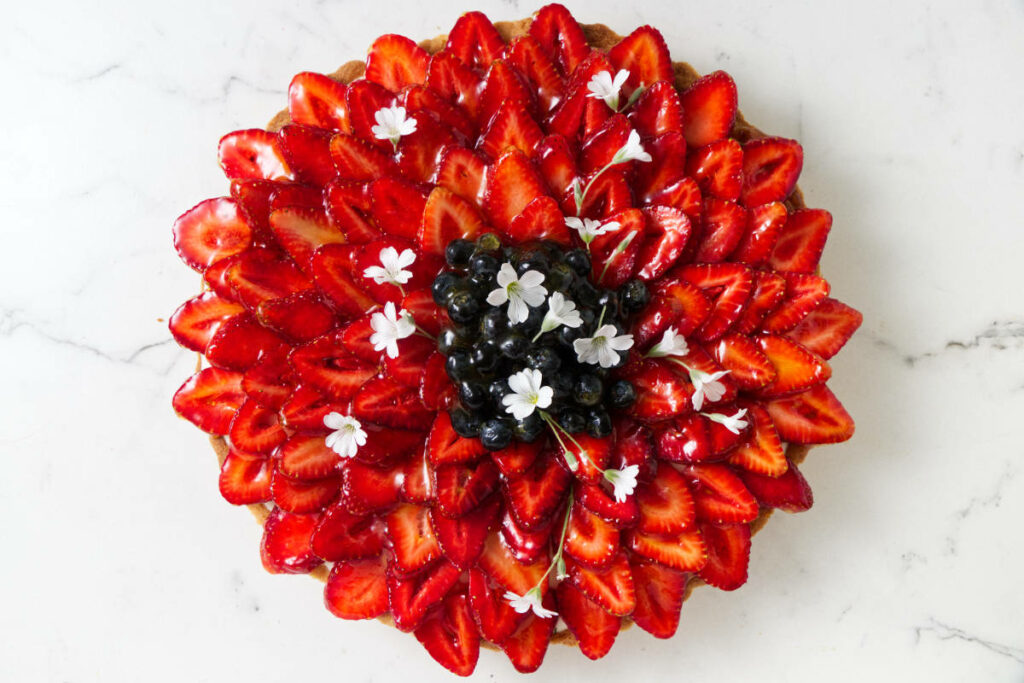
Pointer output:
513, 336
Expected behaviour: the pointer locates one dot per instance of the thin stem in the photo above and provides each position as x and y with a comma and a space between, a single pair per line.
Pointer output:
583, 195
570, 459
600, 318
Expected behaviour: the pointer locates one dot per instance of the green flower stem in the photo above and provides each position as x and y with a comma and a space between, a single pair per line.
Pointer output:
557, 559
570, 457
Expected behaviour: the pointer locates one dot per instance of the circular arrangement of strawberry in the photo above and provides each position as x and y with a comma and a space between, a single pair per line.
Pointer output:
518, 331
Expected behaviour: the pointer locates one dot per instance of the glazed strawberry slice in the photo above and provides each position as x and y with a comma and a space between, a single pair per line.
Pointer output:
244, 480
598, 452
764, 225
395, 61
789, 491
659, 597
253, 198
595, 630
491, 611
644, 54
445, 447
674, 303
557, 164
729, 285
420, 151
827, 328
450, 78
568, 118
356, 589
658, 111
421, 98
720, 496
526, 545
683, 551
328, 366
769, 290
540, 220
397, 206
302, 496
600, 501
252, 153
301, 231
747, 364
461, 488
557, 32
307, 151
196, 320
462, 539
428, 315
289, 195
446, 217
503, 84
718, 169
317, 100
410, 598
728, 555
763, 452
685, 439
256, 429
499, 564
299, 317
666, 168
527, 55
285, 548
451, 637
436, 389
516, 458
511, 128
385, 446
612, 264
590, 540
364, 99
407, 367
666, 504
240, 342
723, 225
771, 167
609, 193
258, 275
812, 417
661, 392
305, 408
462, 171
527, 646
412, 537
304, 456
709, 109
796, 367
332, 267
418, 481
803, 294
210, 231
668, 230
341, 536
535, 494
512, 183
801, 241
356, 159
599, 149
611, 587
475, 41
365, 488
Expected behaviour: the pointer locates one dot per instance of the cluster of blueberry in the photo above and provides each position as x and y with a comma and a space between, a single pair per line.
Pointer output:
484, 348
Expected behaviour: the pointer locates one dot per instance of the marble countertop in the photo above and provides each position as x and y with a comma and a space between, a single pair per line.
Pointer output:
122, 563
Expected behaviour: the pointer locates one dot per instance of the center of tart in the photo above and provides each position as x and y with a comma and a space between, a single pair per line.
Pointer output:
534, 342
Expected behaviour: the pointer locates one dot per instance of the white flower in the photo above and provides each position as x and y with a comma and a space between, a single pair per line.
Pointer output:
734, 423
603, 87
706, 386
348, 434
588, 228
601, 348
561, 311
521, 293
623, 481
393, 264
631, 151
392, 124
389, 327
531, 601
529, 394
672, 344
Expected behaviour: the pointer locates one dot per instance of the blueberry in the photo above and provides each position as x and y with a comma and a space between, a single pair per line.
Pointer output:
587, 390
534, 318
579, 261
559, 278
567, 335
494, 323
452, 338
544, 359
634, 296
484, 264
572, 420
488, 242
472, 394
486, 355
465, 423
458, 366
463, 307
529, 429
495, 434
532, 260
443, 286
609, 303
514, 345
586, 294
498, 389
599, 423
458, 253
561, 384
621, 394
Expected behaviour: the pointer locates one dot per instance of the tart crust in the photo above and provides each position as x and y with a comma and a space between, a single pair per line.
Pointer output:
600, 37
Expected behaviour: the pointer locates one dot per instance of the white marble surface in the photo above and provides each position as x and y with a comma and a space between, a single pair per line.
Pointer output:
121, 563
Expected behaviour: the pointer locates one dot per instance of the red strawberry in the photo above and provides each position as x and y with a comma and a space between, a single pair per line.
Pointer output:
397, 206
734, 284
659, 597
613, 265
720, 496
495, 617
257, 275
364, 99
342, 536
796, 367
803, 294
210, 231
462, 539
356, 589
812, 417
454, 81
243, 480
209, 399
366, 488
306, 407
789, 491
451, 637
462, 171
685, 439
661, 392
556, 30
674, 303
594, 628
348, 204
385, 402
801, 241
527, 646
748, 366
516, 458
301, 496
410, 598
659, 110
329, 367
535, 494
511, 128
771, 167
557, 164
764, 225
316, 100
196, 320
769, 290
684, 551
252, 153
569, 115
599, 149
644, 54
540, 220
384, 446
666, 169
462, 488
610, 587
498, 563
728, 555
256, 429
526, 545
474, 40
285, 547
590, 540
827, 328
418, 481
527, 55
299, 317
306, 457
502, 84
723, 225
609, 193
598, 452
420, 151
718, 169
407, 367
358, 160
412, 537
666, 504
307, 151
512, 183
270, 381
395, 61
302, 231
421, 98
428, 315
436, 389
709, 109
253, 197
332, 273
762, 453
445, 447
446, 217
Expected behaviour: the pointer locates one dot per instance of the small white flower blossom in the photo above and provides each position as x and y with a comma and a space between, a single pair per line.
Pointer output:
706, 387
348, 434
672, 344
734, 423
392, 268
603, 87
392, 124
561, 311
623, 481
530, 394
631, 151
521, 292
531, 601
602, 347
389, 327
588, 228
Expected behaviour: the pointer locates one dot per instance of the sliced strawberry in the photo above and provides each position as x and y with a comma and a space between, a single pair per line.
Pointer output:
410, 598
661, 392
407, 366
666, 169
420, 152
771, 167
502, 84
253, 197
666, 504
728, 555
718, 169
475, 41
298, 317
329, 367
397, 206
257, 275
528, 56
557, 164
683, 551
764, 225
428, 315
364, 99
599, 149
451, 637
733, 284
270, 381
668, 230
789, 491
803, 294
436, 389
556, 30
306, 457
495, 617
365, 488
348, 205
612, 264
446, 217
386, 402
720, 496
239, 343
609, 193
796, 367
748, 366
252, 153
527, 646
763, 452
356, 589
332, 273
598, 452
301, 496
418, 481
535, 494
498, 563
526, 545
342, 536
709, 109
516, 458
316, 100
196, 320
644, 54
812, 417
511, 128
421, 98
595, 630
395, 61
384, 445
455, 82
723, 225
462, 539
611, 587
358, 160
659, 597
827, 328
685, 439
306, 408
462, 171
674, 303
658, 111
590, 540
412, 537
285, 548
769, 290
682, 194
210, 231
512, 183
801, 241
461, 488
540, 220
301, 231
307, 151
244, 481
445, 447
256, 429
